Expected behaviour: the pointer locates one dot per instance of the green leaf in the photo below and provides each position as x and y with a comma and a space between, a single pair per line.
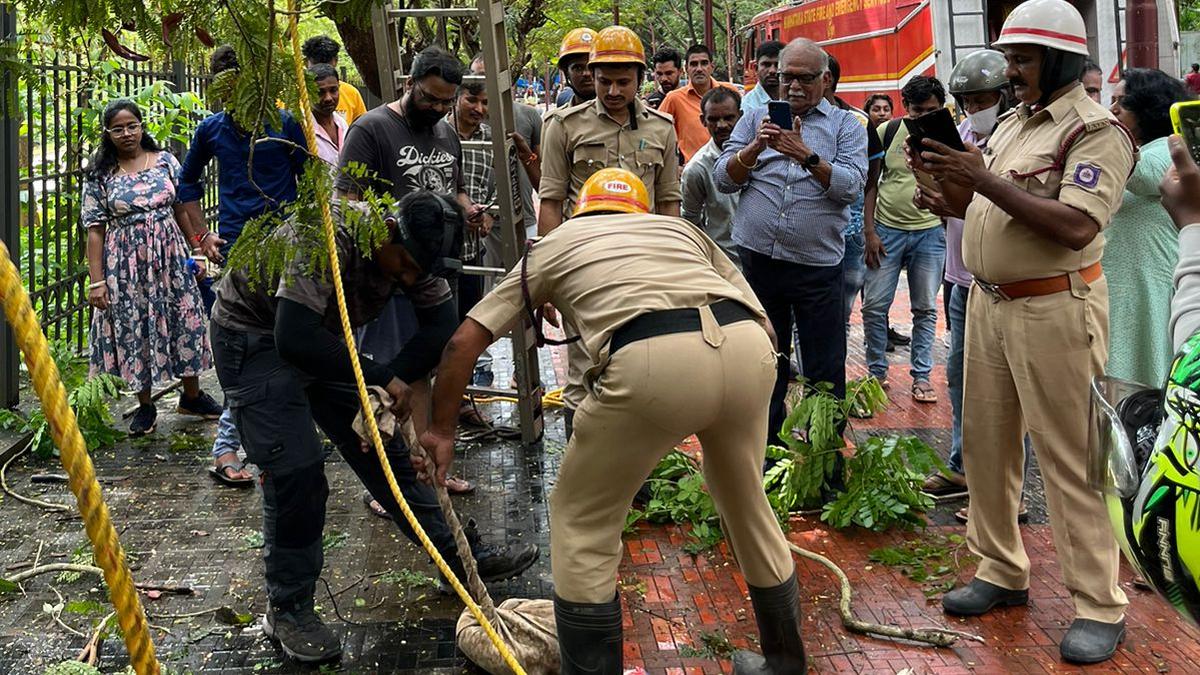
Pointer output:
7, 586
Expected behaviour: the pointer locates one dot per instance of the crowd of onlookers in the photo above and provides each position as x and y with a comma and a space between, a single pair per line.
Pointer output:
843, 238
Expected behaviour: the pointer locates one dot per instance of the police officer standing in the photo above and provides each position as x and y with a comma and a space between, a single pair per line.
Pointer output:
615, 130
680, 346
573, 64
1036, 202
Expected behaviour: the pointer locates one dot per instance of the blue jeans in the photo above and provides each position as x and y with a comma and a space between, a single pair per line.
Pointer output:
854, 271
923, 254
227, 436
957, 319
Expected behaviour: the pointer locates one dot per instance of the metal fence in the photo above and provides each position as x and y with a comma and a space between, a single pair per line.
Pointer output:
48, 129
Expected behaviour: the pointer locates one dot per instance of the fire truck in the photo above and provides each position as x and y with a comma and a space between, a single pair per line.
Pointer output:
881, 44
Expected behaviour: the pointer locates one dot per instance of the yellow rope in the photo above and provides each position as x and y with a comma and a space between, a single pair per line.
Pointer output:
551, 399
82, 476
304, 117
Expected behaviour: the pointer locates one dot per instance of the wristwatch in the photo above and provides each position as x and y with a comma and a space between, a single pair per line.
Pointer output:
812, 160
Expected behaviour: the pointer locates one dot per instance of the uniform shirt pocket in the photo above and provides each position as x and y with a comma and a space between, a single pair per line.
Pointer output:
588, 159
1037, 176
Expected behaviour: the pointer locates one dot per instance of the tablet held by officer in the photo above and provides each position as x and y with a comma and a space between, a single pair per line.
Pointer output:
679, 345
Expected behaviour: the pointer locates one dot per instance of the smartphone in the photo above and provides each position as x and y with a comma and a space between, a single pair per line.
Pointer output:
780, 113
1185, 117
938, 125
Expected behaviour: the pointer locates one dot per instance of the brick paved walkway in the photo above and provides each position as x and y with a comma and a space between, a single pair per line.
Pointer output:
681, 609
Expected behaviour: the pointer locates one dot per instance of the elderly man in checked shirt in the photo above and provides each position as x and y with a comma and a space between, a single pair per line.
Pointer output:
796, 189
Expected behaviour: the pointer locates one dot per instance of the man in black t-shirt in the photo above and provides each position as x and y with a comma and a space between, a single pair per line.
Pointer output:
401, 147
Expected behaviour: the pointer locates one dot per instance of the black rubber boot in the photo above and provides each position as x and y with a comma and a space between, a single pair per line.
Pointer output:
979, 597
589, 637
1091, 641
777, 611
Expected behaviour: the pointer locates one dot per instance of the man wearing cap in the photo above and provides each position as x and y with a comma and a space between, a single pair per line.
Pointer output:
284, 367
679, 345
1036, 202
617, 130
573, 64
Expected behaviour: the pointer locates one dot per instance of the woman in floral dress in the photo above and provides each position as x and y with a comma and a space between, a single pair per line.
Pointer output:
148, 323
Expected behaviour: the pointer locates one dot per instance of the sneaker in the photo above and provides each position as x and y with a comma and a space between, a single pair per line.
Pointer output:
201, 406
302, 635
144, 420
497, 563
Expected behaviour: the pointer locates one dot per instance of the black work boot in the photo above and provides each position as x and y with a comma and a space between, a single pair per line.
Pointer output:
589, 637
1090, 641
777, 611
301, 634
980, 597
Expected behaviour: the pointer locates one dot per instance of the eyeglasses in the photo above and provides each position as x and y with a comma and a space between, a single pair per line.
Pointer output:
805, 79
127, 130
434, 100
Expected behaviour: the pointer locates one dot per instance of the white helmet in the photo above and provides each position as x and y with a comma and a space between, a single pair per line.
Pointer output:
1051, 23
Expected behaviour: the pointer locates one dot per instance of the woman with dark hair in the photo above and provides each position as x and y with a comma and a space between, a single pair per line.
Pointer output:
148, 325
879, 108
1142, 244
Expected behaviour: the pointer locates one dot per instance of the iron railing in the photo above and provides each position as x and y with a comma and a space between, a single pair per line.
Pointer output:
51, 107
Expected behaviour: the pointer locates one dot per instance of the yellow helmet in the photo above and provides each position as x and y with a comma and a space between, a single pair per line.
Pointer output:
617, 44
613, 190
577, 41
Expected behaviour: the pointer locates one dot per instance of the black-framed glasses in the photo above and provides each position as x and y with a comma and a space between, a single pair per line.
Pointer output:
127, 130
434, 100
786, 79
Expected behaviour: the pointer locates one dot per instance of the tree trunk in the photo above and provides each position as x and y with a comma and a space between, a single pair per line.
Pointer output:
359, 39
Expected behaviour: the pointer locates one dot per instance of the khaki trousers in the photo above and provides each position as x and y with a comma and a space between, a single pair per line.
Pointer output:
715, 383
578, 361
1029, 364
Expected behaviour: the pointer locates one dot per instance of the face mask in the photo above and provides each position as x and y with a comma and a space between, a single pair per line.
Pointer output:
984, 121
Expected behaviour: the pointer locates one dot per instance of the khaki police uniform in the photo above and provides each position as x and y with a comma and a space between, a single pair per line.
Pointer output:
644, 397
1030, 360
579, 141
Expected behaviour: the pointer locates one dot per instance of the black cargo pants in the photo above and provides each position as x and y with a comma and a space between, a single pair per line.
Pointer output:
275, 406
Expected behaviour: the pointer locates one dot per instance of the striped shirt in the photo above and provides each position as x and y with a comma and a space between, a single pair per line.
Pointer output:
784, 211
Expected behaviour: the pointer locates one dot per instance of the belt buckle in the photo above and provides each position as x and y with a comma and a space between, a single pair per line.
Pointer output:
993, 290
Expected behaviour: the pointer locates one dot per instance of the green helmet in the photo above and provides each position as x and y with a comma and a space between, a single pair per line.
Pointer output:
1144, 460
979, 71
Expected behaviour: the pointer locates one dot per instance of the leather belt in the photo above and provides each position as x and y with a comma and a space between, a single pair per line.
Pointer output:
1035, 287
668, 321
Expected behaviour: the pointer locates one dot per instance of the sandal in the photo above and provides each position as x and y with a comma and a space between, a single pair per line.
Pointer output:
458, 486
221, 474
923, 392
469, 415
374, 506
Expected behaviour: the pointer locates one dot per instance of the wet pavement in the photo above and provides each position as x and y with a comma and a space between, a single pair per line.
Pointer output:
683, 611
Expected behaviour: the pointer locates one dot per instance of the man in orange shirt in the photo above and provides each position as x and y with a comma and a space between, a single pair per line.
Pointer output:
683, 103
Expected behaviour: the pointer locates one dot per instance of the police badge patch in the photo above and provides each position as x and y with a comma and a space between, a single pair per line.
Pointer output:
1086, 175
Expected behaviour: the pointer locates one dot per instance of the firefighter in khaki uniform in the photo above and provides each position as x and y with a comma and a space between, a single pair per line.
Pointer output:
681, 346
1036, 203
573, 56
614, 131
